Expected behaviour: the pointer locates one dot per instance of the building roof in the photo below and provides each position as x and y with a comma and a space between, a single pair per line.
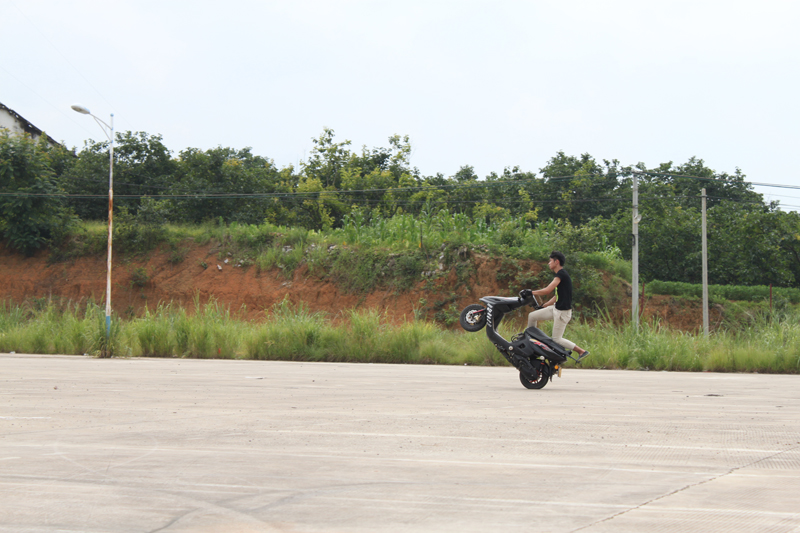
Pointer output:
26, 125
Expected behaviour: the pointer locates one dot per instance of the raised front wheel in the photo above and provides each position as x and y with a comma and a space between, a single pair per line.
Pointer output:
538, 381
473, 317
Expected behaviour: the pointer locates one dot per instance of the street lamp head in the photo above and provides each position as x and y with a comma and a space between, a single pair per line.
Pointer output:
80, 109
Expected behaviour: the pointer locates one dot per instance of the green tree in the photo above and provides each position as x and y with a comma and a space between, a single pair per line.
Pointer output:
516, 192
317, 205
32, 207
752, 246
579, 188
88, 177
669, 179
227, 183
328, 159
376, 181
143, 166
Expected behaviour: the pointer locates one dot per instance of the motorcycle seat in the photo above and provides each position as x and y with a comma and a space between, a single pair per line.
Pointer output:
538, 334
541, 336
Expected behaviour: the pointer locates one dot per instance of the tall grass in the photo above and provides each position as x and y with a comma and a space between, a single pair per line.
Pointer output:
48, 328
169, 331
770, 344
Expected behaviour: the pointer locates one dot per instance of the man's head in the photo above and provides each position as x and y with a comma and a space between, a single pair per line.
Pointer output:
557, 260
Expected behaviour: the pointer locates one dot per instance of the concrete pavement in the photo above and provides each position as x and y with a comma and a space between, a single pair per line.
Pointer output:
177, 445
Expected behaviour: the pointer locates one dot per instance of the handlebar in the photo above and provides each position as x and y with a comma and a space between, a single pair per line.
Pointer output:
526, 294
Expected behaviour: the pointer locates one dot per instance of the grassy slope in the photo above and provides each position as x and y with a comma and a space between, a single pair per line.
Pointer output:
754, 339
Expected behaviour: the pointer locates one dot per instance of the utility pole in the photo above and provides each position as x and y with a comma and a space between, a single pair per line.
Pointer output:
635, 254
705, 268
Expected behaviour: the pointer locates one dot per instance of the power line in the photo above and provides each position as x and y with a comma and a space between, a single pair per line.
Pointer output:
331, 196
510, 183
784, 196
65, 58
58, 109
127, 184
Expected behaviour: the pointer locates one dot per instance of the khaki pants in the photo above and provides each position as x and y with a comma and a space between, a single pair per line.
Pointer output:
560, 320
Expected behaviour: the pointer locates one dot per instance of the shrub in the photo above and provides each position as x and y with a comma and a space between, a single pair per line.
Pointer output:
144, 231
139, 277
725, 292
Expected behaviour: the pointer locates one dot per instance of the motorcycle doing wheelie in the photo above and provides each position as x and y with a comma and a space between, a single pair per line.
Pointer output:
532, 352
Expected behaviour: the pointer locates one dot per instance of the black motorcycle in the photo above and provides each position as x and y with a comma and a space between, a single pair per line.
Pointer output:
532, 352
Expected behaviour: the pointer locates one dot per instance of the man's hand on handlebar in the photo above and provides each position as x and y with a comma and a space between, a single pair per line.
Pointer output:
526, 294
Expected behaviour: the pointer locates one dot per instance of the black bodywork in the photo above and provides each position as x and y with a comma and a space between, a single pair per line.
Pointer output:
527, 350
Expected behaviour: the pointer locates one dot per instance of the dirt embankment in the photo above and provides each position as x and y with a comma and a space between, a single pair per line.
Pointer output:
146, 281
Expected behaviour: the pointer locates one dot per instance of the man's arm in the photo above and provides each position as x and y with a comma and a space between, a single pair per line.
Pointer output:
547, 290
550, 288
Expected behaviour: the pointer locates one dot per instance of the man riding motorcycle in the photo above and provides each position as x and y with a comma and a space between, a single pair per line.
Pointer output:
559, 307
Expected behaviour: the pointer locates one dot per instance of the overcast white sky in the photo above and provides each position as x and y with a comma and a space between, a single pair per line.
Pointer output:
483, 83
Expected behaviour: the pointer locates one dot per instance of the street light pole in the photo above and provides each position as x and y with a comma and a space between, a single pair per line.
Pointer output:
108, 130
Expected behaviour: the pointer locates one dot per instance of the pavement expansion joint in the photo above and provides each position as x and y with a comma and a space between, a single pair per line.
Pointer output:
684, 488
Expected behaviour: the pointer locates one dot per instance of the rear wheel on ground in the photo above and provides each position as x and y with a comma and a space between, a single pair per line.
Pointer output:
538, 381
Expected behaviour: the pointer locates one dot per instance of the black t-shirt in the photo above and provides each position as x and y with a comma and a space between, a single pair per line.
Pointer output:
564, 291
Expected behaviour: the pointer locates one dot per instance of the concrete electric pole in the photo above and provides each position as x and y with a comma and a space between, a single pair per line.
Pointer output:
705, 268
635, 254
